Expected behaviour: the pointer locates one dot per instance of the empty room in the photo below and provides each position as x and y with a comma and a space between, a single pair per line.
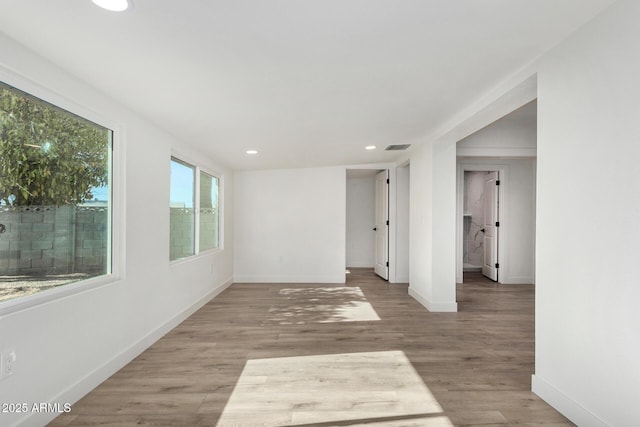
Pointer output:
264, 213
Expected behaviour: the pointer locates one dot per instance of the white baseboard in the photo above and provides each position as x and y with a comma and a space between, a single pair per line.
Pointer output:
401, 279
436, 307
564, 404
82, 387
360, 264
517, 280
290, 279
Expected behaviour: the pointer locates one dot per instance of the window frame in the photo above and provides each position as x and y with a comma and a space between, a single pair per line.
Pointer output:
194, 201
198, 167
199, 171
116, 225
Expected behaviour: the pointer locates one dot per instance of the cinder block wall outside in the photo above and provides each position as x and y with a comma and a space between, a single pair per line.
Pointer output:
181, 242
42, 240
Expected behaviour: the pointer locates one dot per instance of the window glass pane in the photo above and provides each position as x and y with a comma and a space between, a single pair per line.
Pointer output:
208, 211
55, 221
182, 213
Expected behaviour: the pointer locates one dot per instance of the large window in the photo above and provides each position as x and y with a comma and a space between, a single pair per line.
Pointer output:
194, 210
55, 215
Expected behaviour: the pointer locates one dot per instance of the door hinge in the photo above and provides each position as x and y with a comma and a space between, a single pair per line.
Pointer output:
497, 182
387, 263
497, 265
387, 222
387, 180
497, 223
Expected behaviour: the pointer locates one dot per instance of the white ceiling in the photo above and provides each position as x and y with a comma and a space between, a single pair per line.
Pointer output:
305, 82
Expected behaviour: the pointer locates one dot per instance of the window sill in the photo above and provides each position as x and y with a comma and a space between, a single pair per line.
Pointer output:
50, 295
196, 257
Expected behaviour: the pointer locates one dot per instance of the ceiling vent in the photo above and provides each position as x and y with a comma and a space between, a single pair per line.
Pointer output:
397, 147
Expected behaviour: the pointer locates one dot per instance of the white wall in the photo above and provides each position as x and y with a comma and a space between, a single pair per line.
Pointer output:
432, 277
444, 247
432, 261
402, 224
587, 228
513, 135
587, 319
360, 221
290, 225
420, 221
67, 346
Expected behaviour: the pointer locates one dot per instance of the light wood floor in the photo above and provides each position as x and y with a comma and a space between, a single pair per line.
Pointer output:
273, 355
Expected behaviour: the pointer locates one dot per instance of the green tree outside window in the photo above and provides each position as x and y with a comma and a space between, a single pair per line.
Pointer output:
48, 157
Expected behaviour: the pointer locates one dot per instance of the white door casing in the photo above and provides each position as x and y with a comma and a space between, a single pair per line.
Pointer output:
382, 225
491, 225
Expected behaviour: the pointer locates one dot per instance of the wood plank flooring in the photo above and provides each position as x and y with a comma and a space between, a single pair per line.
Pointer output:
264, 355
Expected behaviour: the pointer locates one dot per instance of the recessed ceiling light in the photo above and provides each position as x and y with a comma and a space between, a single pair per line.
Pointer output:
251, 152
113, 5
370, 147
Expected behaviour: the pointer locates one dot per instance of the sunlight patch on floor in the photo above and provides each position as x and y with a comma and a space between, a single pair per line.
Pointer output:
440, 421
321, 305
376, 388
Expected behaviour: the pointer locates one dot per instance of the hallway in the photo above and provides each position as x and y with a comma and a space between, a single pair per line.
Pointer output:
302, 355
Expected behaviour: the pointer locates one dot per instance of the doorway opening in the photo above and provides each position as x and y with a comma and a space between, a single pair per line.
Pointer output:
506, 147
481, 223
367, 222
381, 222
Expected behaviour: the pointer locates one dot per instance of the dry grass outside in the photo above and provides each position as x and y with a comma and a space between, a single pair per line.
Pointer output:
19, 286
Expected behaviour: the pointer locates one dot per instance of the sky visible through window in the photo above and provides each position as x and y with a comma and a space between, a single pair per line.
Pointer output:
100, 194
182, 188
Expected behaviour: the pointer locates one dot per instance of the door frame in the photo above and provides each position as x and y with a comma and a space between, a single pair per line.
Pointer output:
381, 201
392, 243
468, 165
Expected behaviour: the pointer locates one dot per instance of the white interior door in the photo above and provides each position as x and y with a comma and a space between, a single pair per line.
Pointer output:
382, 224
491, 225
